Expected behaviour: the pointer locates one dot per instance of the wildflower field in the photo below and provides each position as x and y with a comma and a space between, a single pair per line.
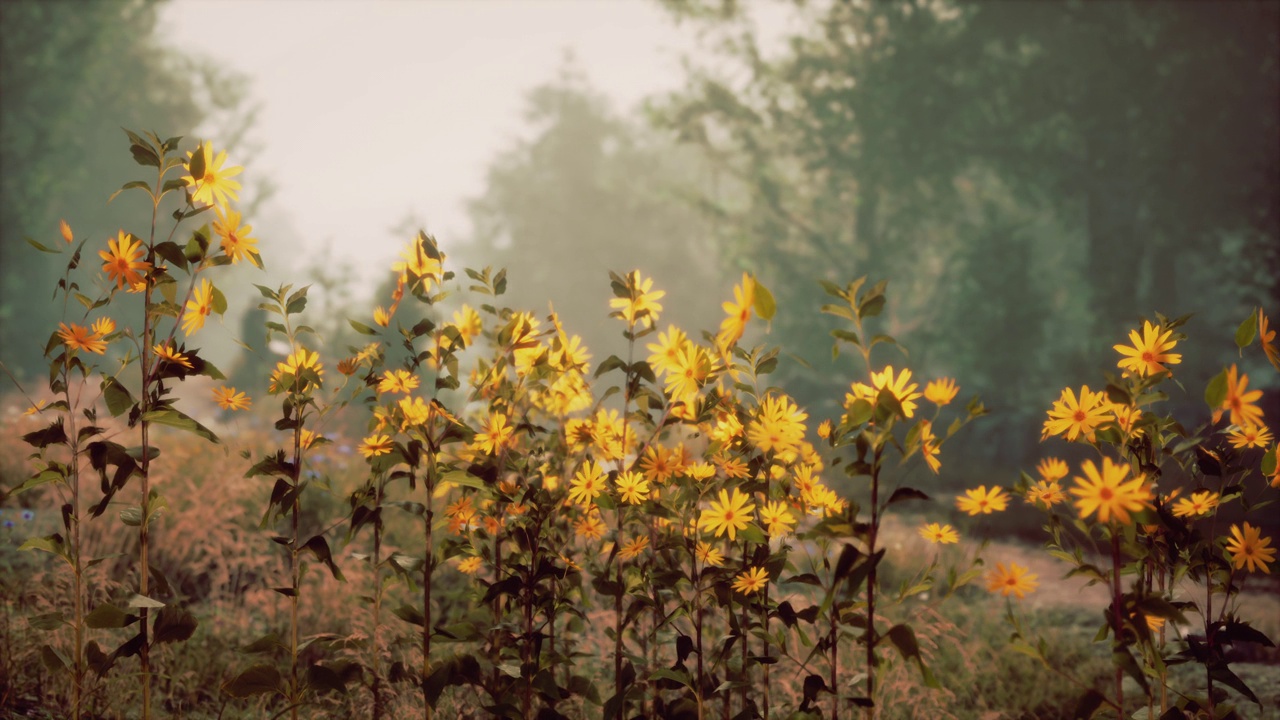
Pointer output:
473, 515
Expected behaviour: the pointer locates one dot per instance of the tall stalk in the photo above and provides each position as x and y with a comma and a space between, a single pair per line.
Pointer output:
428, 563
295, 570
377, 598
870, 635
1117, 617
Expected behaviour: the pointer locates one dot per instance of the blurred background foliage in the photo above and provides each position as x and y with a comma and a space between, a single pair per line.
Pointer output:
1031, 178
72, 74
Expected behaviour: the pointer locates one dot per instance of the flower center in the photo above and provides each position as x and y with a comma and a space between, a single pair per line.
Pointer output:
1106, 493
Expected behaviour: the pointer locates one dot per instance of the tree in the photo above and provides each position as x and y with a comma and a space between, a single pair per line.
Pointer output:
72, 74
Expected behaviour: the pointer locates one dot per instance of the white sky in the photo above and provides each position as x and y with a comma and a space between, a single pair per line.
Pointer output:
372, 111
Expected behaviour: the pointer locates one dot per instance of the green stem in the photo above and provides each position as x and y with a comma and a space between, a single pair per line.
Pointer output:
1117, 617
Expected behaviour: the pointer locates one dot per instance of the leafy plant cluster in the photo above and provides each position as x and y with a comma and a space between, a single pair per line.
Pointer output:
658, 520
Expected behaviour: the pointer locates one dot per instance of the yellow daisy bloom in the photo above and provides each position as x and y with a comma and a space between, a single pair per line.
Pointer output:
1258, 436
980, 501
103, 327
123, 265
214, 185
942, 391
1051, 469
1200, 503
587, 485
631, 549
198, 308
709, 555
237, 243
731, 514
738, 312
939, 534
1267, 338
1046, 492
294, 366
778, 425
1240, 401
375, 445
663, 355
471, 565
397, 381
1072, 419
496, 436
65, 229
776, 518
78, 337
228, 399
751, 581
642, 301
590, 526
1249, 548
1150, 352
632, 488
1014, 580
169, 354
1108, 493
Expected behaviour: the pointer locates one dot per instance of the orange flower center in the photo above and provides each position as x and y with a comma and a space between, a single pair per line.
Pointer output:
1079, 416
1106, 493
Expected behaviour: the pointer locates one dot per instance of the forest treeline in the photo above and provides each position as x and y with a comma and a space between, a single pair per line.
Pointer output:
1031, 178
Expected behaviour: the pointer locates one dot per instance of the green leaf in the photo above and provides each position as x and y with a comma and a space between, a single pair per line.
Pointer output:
170, 251
47, 621
764, 304
1216, 391
219, 301
173, 624
119, 400
42, 248
256, 680
50, 544
175, 418
674, 675
325, 679
410, 614
142, 601
362, 328
906, 493
319, 547
107, 615
1247, 330
52, 659
1222, 673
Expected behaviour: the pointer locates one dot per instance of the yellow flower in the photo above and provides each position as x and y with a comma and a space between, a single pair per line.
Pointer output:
693, 367
381, 317
590, 526
468, 323
641, 302
939, 534
776, 518
397, 381
1108, 493
1239, 401
1046, 492
905, 393
65, 229
929, 446
471, 565
751, 581
1251, 436
307, 438
462, 509
701, 471
709, 555
732, 513
123, 265
169, 354
228, 399
632, 488
414, 411
664, 354
1072, 419
980, 501
1267, 339
824, 429
734, 468
1249, 548
215, 185
419, 263
940, 392
631, 549
375, 445
1052, 469
103, 327
496, 436
1200, 503
588, 483
660, 463
1149, 352
237, 243
1126, 417
78, 337
198, 308
738, 313
1014, 580
778, 425
37, 407
301, 362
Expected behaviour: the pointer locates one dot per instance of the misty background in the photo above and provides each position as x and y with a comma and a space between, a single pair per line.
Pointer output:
1031, 178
